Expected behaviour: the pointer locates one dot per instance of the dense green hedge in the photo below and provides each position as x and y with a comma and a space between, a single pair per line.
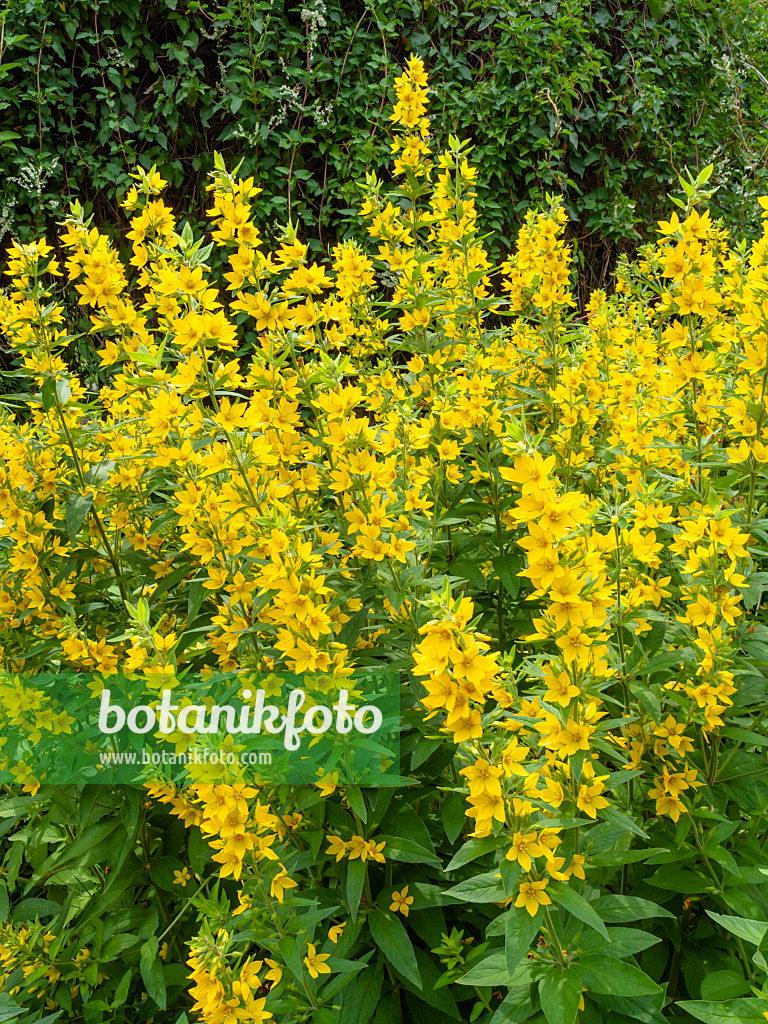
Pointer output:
601, 101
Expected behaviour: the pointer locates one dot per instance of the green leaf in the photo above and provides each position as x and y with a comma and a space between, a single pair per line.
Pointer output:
622, 942
121, 992
357, 802
289, 948
680, 880
735, 1011
324, 1016
613, 858
642, 1008
464, 569
485, 888
746, 928
78, 508
453, 815
510, 872
388, 1011
705, 174
361, 997
439, 998
575, 904
623, 822
47, 393
408, 851
493, 971
53, 389
196, 596
614, 908
608, 976
726, 984
507, 567
560, 992
84, 851
152, 971
471, 851
520, 929
392, 939
354, 885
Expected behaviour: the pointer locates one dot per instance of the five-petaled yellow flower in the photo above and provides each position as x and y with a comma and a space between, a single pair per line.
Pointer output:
338, 847
532, 896
401, 901
181, 877
315, 962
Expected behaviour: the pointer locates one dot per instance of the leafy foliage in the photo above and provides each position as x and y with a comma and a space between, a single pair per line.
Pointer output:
601, 103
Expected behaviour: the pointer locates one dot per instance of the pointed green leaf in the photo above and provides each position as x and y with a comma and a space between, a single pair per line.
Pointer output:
560, 992
486, 888
520, 929
575, 904
354, 885
152, 971
607, 976
734, 1011
77, 512
390, 936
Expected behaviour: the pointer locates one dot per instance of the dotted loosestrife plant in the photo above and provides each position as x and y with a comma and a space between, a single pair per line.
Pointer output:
551, 526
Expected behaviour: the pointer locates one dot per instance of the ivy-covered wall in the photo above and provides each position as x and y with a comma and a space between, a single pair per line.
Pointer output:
604, 102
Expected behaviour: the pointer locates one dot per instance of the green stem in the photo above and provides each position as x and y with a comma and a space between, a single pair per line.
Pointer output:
96, 518
555, 938
184, 909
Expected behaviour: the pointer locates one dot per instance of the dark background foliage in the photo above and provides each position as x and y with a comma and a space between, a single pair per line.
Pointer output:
604, 102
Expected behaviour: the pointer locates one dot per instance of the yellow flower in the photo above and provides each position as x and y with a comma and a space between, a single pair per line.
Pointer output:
524, 848
328, 783
334, 933
338, 847
401, 901
589, 799
365, 849
315, 962
280, 883
275, 972
532, 896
